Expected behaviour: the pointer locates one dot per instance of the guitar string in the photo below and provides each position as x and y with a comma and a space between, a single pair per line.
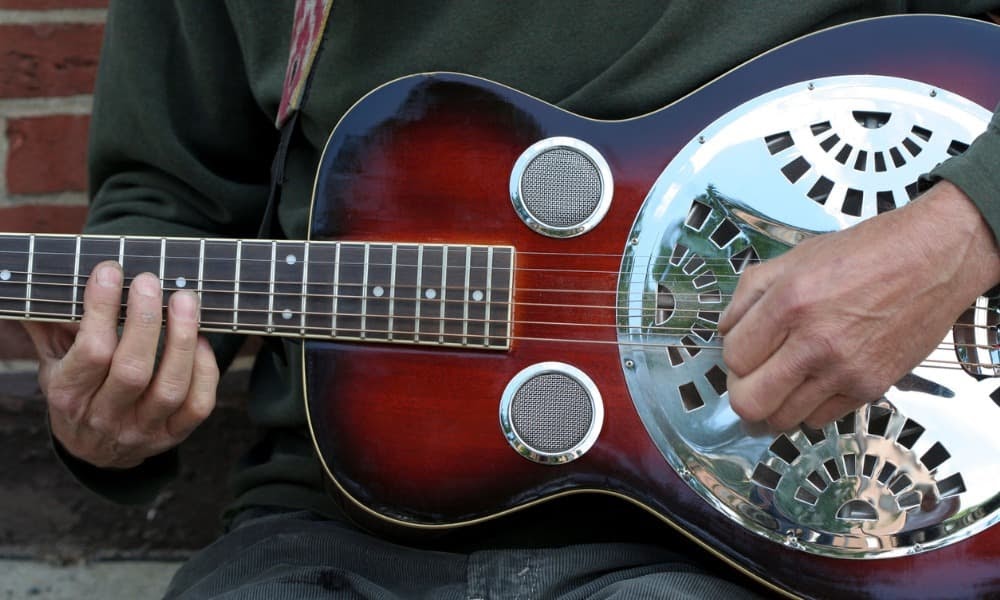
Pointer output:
386, 246
450, 340
704, 298
266, 245
297, 284
465, 267
325, 332
298, 281
680, 277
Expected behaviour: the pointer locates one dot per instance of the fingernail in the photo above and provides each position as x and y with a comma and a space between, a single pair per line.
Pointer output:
184, 304
145, 287
109, 276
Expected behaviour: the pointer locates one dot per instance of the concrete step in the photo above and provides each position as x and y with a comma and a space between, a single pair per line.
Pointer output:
115, 580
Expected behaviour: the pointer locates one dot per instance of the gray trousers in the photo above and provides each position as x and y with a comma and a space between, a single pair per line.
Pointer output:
276, 555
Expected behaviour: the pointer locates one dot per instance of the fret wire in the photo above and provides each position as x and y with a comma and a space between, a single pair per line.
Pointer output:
489, 297
121, 252
444, 287
465, 305
336, 289
392, 291
31, 263
305, 280
76, 278
270, 299
201, 269
236, 285
418, 293
163, 259
364, 290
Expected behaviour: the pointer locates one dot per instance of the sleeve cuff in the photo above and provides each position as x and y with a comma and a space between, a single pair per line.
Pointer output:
977, 173
138, 485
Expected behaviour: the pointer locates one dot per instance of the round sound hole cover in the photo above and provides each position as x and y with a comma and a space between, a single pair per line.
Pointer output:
561, 187
551, 413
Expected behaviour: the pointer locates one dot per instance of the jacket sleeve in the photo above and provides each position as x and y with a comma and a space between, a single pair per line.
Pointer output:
179, 146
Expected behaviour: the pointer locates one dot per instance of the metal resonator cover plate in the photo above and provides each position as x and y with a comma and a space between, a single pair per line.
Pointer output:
914, 471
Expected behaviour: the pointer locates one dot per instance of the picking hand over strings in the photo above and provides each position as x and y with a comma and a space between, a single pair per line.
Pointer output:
831, 324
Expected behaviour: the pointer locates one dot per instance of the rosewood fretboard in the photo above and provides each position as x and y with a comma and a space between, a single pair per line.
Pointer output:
433, 294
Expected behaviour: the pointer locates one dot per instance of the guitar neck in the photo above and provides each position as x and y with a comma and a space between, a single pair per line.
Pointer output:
434, 294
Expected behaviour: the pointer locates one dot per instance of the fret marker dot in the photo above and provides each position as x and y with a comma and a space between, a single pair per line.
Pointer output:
286, 314
290, 259
478, 295
5, 275
378, 291
430, 293
181, 282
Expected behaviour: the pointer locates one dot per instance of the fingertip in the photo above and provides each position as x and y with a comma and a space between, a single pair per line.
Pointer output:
146, 285
108, 274
743, 402
184, 304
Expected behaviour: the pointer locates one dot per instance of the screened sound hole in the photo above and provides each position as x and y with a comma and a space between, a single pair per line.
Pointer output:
552, 413
561, 187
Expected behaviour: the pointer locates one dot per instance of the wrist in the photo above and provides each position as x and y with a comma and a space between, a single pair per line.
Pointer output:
949, 221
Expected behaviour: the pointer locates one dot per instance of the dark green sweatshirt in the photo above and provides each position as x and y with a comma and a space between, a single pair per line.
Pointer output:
183, 132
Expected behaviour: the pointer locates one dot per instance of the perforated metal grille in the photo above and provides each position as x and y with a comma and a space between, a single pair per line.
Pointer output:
561, 187
551, 413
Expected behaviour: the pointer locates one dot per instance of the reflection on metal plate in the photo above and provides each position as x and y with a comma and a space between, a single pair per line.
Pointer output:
914, 471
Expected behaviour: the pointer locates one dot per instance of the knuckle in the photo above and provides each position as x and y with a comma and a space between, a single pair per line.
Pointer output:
63, 401
201, 407
101, 424
796, 299
169, 393
824, 347
129, 439
95, 350
131, 373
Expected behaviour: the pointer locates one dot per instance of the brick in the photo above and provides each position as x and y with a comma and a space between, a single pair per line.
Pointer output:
43, 218
47, 154
44, 60
49, 4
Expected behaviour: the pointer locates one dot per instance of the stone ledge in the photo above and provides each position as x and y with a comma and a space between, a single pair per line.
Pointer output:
47, 515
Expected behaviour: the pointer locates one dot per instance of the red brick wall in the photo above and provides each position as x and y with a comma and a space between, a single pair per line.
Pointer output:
48, 59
